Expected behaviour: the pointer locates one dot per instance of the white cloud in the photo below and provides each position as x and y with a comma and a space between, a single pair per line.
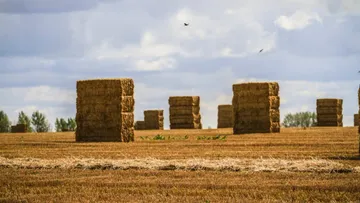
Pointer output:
298, 20
152, 65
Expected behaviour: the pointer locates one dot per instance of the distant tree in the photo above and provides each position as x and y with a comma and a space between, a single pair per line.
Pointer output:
300, 119
71, 124
62, 124
24, 119
5, 124
40, 122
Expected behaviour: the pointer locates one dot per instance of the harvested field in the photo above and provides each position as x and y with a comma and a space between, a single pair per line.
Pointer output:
316, 164
105, 110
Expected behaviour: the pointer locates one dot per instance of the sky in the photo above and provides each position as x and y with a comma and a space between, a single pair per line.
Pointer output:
311, 48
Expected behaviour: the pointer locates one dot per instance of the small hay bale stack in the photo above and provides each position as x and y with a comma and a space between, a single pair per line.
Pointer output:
139, 125
19, 128
225, 116
184, 112
154, 119
256, 107
356, 119
105, 110
329, 112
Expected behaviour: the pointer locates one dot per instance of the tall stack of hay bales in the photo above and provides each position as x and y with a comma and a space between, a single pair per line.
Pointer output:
19, 128
329, 112
105, 110
356, 119
256, 107
139, 125
184, 112
225, 116
154, 119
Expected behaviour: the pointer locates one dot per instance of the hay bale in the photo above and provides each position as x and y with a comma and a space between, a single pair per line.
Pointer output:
105, 110
225, 116
184, 112
19, 128
139, 125
154, 119
184, 101
329, 112
256, 107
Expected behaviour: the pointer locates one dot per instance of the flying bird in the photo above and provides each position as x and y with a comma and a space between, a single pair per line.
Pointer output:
186, 24
261, 50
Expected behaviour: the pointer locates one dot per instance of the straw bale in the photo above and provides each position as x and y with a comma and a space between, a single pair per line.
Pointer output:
154, 119
356, 119
185, 119
256, 127
153, 113
186, 126
184, 101
329, 110
105, 86
19, 128
330, 124
184, 110
329, 102
257, 89
256, 108
225, 116
271, 102
325, 118
104, 110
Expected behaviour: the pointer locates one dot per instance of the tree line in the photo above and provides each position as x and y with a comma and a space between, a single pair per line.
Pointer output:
36, 123
39, 123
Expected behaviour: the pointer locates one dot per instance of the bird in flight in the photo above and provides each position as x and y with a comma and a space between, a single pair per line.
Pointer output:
186, 24
261, 50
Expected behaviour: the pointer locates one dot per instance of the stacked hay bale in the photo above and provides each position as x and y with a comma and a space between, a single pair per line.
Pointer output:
185, 112
139, 125
256, 107
329, 112
105, 110
154, 119
359, 114
356, 119
225, 116
19, 128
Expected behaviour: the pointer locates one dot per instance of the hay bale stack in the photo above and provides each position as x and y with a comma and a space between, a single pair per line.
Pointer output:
356, 119
329, 112
105, 110
225, 116
184, 112
139, 125
154, 119
19, 128
359, 114
256, 107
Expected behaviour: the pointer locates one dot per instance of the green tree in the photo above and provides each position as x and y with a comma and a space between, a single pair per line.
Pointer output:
71, 124
300, 119
5, 124
24, 119
61, 124
40, 122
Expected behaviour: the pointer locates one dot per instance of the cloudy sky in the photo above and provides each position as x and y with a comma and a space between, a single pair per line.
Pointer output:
311, 47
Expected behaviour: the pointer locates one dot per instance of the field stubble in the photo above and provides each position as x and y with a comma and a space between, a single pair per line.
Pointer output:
337, 145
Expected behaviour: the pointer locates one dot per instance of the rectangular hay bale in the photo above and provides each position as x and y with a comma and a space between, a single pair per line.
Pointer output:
105, 110
184, 101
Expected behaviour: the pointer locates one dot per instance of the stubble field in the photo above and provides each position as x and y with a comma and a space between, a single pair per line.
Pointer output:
297, 165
